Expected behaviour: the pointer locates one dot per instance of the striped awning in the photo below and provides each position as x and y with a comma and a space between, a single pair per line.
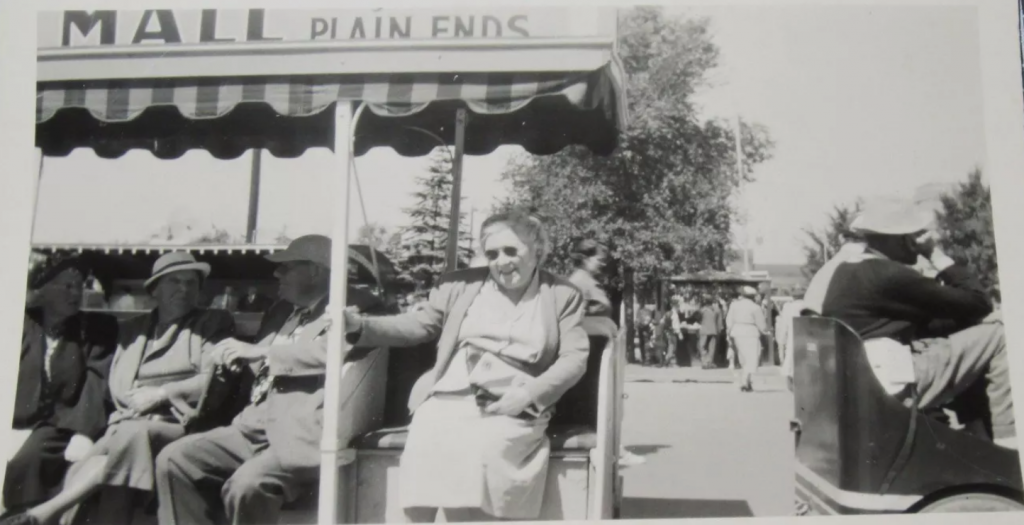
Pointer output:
543, 112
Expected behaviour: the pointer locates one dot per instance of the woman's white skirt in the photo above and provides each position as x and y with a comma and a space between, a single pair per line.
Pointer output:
748, 348
458, 457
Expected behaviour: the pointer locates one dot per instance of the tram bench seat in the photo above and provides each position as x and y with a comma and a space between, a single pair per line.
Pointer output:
562, 437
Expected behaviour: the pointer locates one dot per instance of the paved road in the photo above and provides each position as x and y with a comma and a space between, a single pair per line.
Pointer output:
711, 450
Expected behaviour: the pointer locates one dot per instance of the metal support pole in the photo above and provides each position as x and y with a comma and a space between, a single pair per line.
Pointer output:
453, 222
472, 225
254, 197
330, 447
35, 198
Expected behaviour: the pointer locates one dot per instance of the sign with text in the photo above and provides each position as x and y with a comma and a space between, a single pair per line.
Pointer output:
69, 29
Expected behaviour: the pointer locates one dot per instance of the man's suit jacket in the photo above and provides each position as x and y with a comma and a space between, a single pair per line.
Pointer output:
564, 358
710, 320
295, 402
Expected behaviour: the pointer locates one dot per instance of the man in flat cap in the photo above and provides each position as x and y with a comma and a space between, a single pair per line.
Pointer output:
932, 339
271, 449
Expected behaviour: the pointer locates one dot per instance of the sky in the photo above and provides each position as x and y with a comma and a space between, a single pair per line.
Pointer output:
861, 101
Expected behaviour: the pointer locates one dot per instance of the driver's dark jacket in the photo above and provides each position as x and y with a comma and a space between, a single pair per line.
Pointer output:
884, 298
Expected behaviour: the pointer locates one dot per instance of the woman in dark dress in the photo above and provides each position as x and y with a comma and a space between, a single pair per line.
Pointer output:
61, 403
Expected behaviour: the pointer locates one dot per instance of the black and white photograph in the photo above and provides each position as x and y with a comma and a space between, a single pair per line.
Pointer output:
743, 256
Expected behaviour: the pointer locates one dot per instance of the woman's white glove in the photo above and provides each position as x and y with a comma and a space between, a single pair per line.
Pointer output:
77, 448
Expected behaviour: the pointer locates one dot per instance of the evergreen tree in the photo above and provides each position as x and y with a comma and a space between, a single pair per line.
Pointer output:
822, 244
424, 241
965, 224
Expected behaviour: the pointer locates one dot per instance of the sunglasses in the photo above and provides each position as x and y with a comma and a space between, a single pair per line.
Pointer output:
509, 251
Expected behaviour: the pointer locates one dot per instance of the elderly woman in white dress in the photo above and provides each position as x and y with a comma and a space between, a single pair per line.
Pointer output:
511, 344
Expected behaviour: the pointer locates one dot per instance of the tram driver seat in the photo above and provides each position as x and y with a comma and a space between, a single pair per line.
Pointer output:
860, 450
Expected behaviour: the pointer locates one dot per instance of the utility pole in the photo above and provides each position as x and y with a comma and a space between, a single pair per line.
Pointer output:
452, 251
739, 174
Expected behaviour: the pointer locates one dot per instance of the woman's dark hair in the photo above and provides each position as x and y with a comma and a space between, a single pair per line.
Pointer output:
586, 249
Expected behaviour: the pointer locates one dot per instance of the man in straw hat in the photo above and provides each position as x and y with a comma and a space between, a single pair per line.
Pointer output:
272, 447
928, 339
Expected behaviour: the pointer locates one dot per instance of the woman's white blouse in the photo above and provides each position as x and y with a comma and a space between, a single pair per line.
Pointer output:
495, 324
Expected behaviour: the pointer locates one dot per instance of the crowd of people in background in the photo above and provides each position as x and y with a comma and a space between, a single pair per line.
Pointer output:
717, 327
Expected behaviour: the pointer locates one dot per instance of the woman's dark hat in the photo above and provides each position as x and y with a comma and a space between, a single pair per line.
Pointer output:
43, 268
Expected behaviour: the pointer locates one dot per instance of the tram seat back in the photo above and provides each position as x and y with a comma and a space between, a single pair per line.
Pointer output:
847, 420
405, 366
852, 431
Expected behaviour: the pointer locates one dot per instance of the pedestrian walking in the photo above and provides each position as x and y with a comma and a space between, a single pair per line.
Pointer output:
746, 325
710, 319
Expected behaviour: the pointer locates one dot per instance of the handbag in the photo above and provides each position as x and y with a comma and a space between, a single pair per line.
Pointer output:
491, 376
226, 394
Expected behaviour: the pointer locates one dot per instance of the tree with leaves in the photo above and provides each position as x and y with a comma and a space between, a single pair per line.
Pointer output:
282, 237
965, 224
423, 243
662, 202
216, 235
380, 239
821, 244
373, 235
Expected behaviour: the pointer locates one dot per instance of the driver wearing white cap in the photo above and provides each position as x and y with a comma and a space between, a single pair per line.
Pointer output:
926, 338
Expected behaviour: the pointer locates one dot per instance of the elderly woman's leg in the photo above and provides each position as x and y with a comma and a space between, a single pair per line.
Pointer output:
82, 481
749, 350
36, 469
128, 451
108, 505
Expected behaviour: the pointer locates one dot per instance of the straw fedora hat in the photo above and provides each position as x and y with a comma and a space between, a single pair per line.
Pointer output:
175, 262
